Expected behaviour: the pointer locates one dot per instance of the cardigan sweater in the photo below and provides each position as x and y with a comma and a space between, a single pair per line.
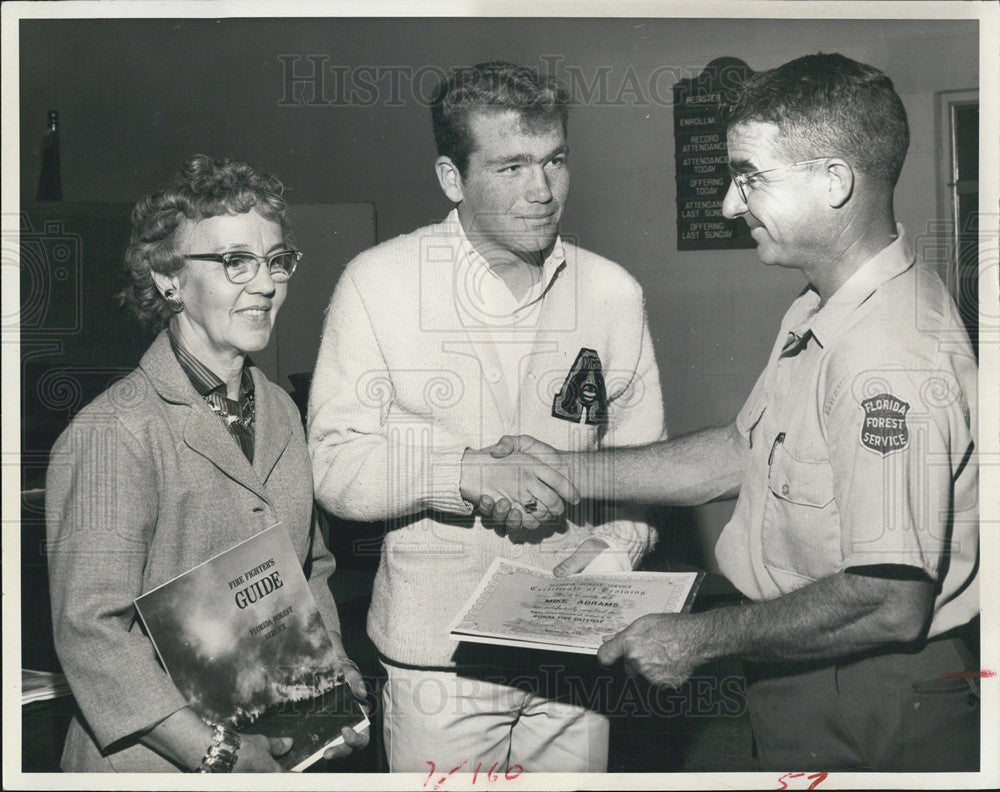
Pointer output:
143, 485
408, 378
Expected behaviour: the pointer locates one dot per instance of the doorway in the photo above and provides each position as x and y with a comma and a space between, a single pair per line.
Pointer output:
959, 169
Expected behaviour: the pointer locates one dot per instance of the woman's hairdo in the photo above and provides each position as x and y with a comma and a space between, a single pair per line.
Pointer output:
204, 188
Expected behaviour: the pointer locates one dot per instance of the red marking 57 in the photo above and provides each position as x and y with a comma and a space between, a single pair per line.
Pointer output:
816, 778
491, 776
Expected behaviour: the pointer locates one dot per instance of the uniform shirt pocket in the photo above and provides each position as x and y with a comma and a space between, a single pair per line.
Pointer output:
801, 532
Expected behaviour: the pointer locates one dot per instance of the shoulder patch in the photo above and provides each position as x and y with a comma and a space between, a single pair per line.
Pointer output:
884, 429
583, 395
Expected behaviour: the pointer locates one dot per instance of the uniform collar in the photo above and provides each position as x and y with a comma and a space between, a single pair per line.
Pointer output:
828, 322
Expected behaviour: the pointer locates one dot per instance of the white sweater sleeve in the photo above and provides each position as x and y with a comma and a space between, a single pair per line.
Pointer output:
364, 469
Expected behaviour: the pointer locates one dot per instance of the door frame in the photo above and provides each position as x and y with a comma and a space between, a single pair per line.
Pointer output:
947, 178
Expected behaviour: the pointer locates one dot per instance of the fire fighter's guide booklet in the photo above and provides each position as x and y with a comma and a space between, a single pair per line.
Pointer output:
516, 604
243, 640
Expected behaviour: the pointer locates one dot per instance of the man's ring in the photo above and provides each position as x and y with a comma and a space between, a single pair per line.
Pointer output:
531, 506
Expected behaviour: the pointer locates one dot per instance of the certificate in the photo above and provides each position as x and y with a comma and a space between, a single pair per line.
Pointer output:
519, 605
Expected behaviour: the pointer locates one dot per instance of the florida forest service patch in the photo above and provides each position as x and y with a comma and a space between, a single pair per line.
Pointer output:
884, 429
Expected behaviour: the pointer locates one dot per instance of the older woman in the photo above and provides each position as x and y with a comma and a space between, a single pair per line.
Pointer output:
190, 454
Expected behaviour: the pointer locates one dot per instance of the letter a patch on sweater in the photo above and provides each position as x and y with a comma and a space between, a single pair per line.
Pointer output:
582, 395
884, 429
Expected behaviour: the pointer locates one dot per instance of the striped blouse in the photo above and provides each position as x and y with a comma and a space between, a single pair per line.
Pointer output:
237, 416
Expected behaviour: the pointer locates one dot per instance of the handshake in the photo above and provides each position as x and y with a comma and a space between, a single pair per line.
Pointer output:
519, 482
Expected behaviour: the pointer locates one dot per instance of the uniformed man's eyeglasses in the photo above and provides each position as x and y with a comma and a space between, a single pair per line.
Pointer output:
745, 182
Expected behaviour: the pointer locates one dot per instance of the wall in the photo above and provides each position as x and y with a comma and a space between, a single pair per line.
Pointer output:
136, 97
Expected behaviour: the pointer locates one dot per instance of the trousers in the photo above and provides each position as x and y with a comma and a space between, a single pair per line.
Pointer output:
898, 712
437, 720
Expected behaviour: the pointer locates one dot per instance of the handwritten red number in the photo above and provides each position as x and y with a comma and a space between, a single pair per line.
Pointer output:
819, 778
510, 774
453, 771
443, 778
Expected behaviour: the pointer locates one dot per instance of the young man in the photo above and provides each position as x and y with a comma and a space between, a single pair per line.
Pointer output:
436, 342
856, 530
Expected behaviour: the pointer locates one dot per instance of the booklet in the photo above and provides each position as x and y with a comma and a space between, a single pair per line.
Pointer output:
243, 640
519, 605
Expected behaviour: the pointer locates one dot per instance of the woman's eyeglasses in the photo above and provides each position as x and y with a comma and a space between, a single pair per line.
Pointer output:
241, 266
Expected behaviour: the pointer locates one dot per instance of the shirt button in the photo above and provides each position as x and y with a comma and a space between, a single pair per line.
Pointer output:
784, 489
493, 375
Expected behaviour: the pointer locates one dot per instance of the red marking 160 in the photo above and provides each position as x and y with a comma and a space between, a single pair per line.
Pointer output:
490, 776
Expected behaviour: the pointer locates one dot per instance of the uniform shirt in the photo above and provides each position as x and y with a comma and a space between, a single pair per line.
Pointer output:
862, 442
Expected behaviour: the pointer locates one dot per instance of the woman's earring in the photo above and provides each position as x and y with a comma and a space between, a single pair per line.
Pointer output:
175, 304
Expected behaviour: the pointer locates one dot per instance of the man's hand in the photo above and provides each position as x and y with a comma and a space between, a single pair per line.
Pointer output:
663, 647
508, 510
508, 444
509, 479
586, 551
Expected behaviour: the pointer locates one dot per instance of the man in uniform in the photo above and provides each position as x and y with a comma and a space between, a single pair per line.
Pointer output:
435, 343
855, 534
